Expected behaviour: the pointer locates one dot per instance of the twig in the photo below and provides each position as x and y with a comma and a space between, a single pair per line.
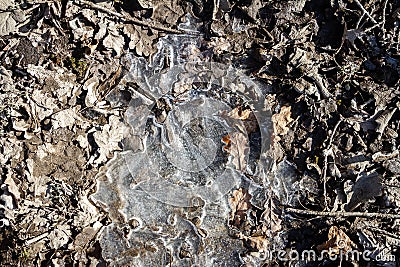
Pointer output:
365, 11
37, 238
384, 15
328, 152
394, 236
359, 21
7, 48
132, 20
344, 214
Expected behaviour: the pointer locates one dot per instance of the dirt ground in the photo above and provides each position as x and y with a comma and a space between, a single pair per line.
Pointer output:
199, 133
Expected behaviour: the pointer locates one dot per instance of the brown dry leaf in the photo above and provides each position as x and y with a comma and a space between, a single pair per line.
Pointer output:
270, 218
281, 120
383, 121
236, 145
247, 116
251, 123
253, 9
337, 241
12, 187
240, 204
167, 11
64, 118
146, 3
270, 226
109, 137
59, 236
258, 243
142, 40
114, 40
239, 113
84, 238
9, 20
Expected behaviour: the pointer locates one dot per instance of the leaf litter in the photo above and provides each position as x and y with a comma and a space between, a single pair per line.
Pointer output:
70, 109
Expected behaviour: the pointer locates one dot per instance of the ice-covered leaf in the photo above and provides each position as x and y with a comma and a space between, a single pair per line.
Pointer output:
238, 148
271, 217
171, 185
240, 204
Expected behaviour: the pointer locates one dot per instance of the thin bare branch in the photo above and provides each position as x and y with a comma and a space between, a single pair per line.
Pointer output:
384, 15
344, 214
328, 152
365, 11
133, 20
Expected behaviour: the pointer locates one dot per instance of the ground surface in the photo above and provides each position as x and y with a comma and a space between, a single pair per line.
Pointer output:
82, 97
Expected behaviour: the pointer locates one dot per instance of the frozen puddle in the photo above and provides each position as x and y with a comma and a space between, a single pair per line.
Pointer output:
167, 193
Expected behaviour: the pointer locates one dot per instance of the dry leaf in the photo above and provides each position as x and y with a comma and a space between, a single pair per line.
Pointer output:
270, 226
240, 204
7, 23
238, 113
237, 146
337, 241
281, 120
9, 19
59, 236
258, 243
12, 187
64, 118
82, 239
219, 45
167, 11
247, 116
270, 218
143, 41
146, 3
114, 40
367, 186
108, 139
383, 120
